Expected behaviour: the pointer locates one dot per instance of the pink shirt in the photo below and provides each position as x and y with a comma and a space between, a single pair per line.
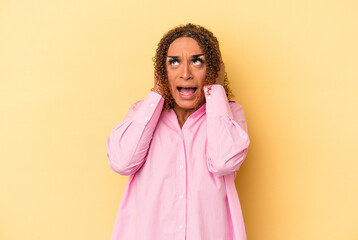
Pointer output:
181, 183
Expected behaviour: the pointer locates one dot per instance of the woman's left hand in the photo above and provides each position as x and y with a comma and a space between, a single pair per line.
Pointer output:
221, 74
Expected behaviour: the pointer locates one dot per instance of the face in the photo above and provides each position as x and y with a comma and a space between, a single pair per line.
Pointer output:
186, 68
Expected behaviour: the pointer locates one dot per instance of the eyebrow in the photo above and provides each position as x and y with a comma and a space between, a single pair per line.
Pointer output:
194, 56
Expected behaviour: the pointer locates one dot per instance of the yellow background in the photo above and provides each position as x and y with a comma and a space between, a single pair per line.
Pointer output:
69, 71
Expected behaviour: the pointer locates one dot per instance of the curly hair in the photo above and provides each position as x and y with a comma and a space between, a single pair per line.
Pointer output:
208, 44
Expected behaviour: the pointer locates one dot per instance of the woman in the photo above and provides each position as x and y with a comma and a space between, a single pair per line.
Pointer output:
181, 146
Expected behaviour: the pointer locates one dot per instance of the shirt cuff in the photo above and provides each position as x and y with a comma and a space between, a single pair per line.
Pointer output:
217, 103
152, 103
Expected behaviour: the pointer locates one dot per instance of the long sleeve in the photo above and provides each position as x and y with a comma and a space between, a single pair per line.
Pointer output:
227, 138
129, 141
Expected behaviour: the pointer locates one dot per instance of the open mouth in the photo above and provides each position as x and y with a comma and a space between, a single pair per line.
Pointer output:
187, 91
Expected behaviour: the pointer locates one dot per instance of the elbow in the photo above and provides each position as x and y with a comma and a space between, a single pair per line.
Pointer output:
118, 160
226, 165
226, 155
219, 171
119, 168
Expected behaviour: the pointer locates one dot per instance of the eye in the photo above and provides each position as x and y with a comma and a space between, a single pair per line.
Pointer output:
198, 61
173, 62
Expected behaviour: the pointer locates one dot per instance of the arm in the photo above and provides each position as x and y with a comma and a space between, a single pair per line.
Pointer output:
227, 136
128, 143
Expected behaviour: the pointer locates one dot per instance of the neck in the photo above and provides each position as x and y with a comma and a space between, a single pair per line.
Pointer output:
183, 114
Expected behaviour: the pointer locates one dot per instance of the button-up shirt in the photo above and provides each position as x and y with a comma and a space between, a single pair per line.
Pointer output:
181, 184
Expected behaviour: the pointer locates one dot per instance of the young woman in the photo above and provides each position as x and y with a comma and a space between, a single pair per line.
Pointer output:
182, 146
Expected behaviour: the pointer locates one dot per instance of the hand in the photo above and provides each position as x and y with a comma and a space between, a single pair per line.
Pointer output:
156, 86
221, 74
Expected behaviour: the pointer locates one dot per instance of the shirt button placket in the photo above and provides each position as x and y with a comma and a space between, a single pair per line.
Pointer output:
181, 192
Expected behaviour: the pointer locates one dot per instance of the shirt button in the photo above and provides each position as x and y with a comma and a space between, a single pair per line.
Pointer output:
181, 196
146, 118
180, 226
152, 105
208, 97
181, 166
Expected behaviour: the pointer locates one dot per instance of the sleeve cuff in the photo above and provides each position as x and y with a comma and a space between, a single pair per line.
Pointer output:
154, 101
217, 103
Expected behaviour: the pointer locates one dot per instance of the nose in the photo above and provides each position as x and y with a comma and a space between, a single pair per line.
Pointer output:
186, 72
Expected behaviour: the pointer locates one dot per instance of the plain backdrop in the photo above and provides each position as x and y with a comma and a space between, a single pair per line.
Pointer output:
69, 71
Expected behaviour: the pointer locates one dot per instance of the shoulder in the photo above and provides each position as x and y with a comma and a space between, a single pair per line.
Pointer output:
232, 102
238, 113
234, 105
237, 110
152, 97
136, 104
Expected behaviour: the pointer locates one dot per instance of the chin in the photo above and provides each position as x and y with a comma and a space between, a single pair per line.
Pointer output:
188, 104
